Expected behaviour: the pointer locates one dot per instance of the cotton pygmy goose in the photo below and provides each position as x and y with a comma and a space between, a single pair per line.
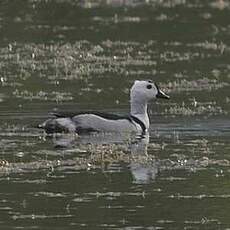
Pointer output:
137, 121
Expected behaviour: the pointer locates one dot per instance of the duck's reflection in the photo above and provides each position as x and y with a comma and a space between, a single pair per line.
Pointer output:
143, 167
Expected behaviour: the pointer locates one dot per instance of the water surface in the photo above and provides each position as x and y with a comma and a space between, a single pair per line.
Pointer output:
85, 55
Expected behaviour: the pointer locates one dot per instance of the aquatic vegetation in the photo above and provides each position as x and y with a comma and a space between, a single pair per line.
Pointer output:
41, 95
221, 47
221, 4
208, 108
104, 156
203, 84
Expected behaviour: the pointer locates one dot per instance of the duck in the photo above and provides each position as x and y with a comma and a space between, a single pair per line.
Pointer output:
141, 92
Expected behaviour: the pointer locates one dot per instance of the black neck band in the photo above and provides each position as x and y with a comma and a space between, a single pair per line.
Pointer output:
139, 122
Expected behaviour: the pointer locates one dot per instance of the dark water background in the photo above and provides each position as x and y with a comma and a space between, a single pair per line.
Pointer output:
79, 55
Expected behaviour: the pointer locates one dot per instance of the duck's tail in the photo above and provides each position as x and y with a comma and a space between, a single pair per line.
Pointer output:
58, 125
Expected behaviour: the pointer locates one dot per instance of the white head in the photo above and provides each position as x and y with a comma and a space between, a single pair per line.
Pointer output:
143, 91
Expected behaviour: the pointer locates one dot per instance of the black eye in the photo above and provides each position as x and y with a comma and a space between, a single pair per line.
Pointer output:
149, 86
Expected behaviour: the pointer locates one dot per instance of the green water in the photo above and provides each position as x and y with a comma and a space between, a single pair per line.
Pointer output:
85, 55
